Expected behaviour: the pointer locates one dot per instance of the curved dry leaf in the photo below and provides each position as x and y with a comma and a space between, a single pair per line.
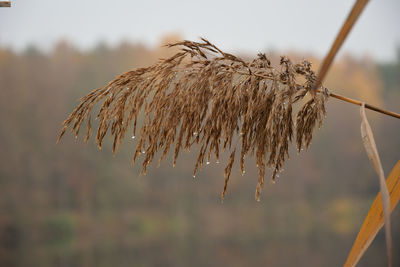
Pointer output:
372, 152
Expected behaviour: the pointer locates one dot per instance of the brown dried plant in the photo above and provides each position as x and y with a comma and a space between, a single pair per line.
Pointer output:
205, 96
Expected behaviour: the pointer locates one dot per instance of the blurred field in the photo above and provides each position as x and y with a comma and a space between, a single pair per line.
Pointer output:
73, 205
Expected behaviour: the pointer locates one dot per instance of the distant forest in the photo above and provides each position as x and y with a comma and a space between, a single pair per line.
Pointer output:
71, 204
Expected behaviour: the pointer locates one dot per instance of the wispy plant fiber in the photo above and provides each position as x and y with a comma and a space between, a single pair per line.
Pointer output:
216, 100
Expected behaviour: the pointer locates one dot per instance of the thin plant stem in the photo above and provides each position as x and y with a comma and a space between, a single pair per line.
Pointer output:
368, 106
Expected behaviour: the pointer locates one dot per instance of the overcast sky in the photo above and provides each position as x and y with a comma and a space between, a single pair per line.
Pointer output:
250, 26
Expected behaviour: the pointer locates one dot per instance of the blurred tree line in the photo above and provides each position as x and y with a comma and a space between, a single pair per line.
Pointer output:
73, 205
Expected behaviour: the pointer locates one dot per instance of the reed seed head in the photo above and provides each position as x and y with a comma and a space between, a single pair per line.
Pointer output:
202, 95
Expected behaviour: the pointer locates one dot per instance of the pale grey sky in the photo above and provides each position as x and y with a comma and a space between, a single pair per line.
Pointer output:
251, 25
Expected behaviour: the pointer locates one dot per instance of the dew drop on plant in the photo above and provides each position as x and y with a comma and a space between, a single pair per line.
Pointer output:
133, 137
143, 152
194, 176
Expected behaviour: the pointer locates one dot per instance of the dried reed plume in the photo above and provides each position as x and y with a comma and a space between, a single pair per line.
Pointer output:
205, 96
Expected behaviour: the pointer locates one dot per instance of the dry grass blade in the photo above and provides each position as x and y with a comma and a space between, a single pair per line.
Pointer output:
356, 11
204, 96
372, 152
374, 220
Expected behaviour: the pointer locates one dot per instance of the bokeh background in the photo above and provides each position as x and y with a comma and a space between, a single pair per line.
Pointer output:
73, 205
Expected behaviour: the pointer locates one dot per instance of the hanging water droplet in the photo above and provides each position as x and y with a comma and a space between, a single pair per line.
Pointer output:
143, 151
243, 172
207, 162
194, 176
195, 133
258, 199
133, 137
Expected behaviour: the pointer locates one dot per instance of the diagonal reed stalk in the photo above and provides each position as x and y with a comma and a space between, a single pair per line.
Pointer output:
355, 13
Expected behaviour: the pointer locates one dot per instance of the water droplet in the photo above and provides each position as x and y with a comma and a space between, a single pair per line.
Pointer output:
143, 152
195, 133
133, 137
207, 162
194, 176
258, 199
243, 172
